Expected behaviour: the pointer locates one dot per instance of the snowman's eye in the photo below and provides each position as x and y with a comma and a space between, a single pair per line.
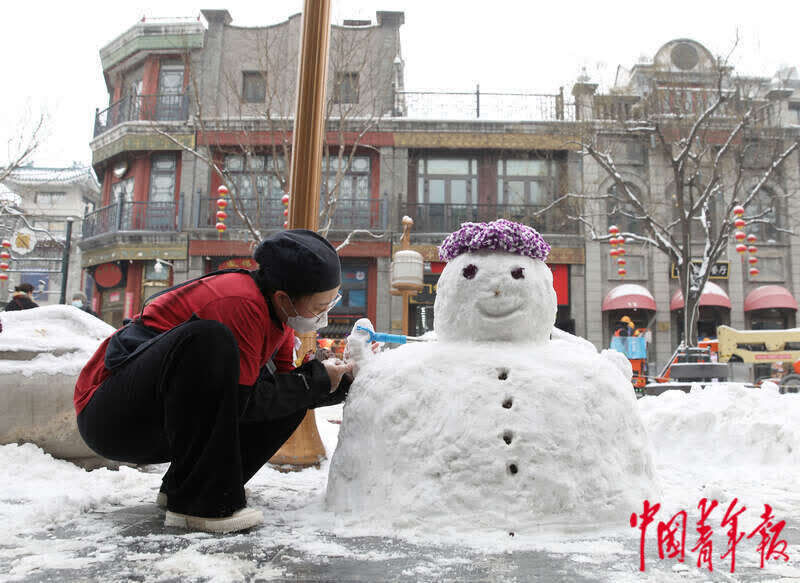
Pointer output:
469, 271
518, 273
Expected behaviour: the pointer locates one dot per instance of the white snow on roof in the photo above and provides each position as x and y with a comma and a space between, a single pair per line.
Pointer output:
34, 175
64, 336
629, 289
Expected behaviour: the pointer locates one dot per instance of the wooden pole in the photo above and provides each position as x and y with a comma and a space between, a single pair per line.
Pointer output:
304, 448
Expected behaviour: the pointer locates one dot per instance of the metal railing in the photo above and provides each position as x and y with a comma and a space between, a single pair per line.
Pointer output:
267, 213
446, 218
158, 107
482, 105
131, 216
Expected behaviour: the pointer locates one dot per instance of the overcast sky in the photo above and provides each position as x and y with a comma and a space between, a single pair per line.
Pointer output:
51, 63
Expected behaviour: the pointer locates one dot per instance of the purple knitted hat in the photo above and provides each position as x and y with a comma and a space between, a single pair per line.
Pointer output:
502, 235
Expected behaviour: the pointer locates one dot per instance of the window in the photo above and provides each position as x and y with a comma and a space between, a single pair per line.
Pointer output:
54, 227
764, 207
122, 191
257, 180
697, 233
770, 269
162, 178
345, 87
254, 87
353, 290
448, 191
354, 182
635, 265
49, 198
524, 188
622, 212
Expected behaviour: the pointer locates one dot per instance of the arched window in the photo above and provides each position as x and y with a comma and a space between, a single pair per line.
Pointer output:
622, 212
697, 233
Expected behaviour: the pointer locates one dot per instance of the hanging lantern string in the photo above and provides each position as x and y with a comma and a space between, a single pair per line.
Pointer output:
221, 215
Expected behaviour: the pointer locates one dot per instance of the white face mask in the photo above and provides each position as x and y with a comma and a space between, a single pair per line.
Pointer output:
77, 303
304, 325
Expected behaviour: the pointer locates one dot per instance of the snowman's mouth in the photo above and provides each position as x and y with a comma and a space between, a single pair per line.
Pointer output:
497, 312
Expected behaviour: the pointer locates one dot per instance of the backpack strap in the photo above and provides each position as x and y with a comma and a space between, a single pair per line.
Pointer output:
187, 282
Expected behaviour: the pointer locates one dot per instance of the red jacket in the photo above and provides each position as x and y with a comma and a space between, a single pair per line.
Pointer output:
232, 299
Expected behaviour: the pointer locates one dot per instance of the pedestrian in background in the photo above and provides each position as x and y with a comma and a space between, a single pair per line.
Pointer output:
23, 298
80, 301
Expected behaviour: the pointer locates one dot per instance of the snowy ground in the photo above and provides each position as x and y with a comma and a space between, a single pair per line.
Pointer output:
63, 523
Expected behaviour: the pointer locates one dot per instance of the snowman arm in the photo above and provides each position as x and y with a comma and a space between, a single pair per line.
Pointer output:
279, 395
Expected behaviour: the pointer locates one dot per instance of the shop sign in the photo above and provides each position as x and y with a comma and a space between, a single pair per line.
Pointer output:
719, 270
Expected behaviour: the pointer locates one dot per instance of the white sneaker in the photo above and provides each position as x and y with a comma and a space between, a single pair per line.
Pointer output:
239, 520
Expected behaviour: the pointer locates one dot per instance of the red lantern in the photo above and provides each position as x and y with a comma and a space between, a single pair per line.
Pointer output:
741, 248
221, 227
222, 215
754, 271
613, 241
4, 266
752, 249
285, 224
285, 199
740, 235
3, 276
5, 255
621, 251
6, 243
739, 223
738, 210
613, 229
621, 271
222, 190
614, 252
752, 260
285, 212
222, 203
751, 238
621, 261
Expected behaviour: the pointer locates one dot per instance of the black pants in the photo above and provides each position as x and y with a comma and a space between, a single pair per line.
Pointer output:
178, 402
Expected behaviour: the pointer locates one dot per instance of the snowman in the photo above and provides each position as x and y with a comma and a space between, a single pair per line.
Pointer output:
501, 424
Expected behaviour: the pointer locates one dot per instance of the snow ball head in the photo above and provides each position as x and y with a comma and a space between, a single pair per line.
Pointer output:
496, 285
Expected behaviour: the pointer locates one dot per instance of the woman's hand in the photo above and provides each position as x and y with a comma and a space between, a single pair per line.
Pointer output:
336, 369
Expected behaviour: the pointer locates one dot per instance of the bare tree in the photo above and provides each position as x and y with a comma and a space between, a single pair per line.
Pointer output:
21, 147
259, 109
708, 139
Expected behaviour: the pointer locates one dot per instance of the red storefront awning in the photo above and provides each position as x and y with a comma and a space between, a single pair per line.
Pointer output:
769, 296
629, 296
712, 295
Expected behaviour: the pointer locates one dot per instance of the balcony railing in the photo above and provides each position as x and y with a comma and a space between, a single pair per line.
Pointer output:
446, 218
467, 105
349, 214
159, 107
131, 216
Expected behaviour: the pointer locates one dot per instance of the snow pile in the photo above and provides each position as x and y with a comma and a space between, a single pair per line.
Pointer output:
491, 435
39, 491
725, 424
64, 336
